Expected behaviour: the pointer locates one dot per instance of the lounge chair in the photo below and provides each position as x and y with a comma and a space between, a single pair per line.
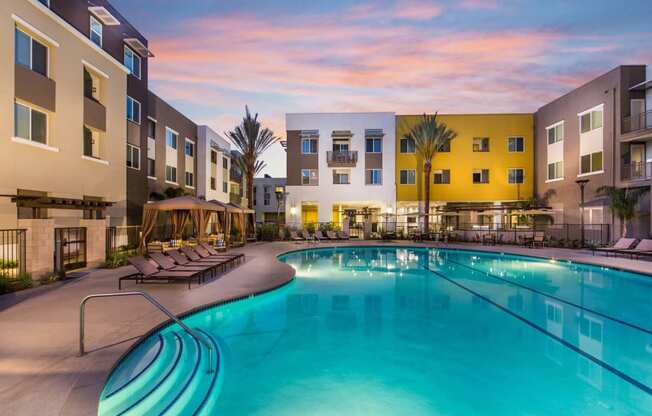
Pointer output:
539, 238
148, 272
182, 260
306, 235
319, 236
331, 235
621, 244
168, 263
196, 258
295, 237
643, 248
235, 257
343, 235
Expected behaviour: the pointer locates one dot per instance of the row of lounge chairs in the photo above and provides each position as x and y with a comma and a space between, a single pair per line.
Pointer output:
184, 265
318, 236
628, 246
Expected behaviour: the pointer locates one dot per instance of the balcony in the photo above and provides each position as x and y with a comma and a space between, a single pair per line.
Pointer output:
235, 198
637, 122
637, 171
342, 159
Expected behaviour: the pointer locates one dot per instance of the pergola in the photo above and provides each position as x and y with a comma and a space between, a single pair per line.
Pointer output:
236, 215
181, 209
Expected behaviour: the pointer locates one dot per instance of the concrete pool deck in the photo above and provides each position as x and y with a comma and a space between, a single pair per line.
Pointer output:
41, 372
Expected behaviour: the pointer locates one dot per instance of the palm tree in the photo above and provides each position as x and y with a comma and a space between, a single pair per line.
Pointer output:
251, 140
429, 137
622, 202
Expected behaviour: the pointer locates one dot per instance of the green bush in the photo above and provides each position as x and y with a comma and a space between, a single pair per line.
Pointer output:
310, 228
268, 232
8, 264
8, 284
119, 258
235, 233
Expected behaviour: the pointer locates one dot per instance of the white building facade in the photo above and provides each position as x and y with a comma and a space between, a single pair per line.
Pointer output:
213, 164
339, 165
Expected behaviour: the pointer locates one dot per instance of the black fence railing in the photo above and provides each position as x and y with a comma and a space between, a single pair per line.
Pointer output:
637, 122
636, 171
13, 256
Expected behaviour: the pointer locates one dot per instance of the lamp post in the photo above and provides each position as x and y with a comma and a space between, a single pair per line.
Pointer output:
280, 198
582, 183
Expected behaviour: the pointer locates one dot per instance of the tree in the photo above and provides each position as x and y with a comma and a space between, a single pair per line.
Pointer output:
251, 140
429, 137
622, 202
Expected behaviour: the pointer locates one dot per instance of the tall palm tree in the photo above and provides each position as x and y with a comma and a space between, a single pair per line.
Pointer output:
252, 140
622, 202
429, 137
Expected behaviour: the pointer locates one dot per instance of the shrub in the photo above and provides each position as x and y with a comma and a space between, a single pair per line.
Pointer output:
119, 258
268, 232
8, 264
310, 228
235, 233
22, 281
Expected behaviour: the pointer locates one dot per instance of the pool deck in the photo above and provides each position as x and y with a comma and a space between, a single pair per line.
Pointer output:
41, 372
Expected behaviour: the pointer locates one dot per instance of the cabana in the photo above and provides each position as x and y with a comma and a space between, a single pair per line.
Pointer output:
243, 219
180, 209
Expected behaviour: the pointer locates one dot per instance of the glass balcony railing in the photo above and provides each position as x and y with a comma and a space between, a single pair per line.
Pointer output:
636, 171
637, 122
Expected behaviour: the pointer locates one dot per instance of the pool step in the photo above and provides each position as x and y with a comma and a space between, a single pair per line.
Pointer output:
165, 375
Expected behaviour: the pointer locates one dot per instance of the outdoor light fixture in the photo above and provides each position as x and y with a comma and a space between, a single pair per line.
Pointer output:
389, 210
293, 210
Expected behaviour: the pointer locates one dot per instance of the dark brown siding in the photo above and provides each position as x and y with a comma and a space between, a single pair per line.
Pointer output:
296, 160
373, 160
168, 116
35, 88
94, 114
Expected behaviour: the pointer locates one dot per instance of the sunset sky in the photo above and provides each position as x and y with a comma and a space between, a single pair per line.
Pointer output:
409, 56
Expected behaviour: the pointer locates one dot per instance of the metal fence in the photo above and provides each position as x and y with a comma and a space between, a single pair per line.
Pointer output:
13, 257
121, 237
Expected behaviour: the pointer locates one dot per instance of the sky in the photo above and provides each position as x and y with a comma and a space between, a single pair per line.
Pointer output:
407, 56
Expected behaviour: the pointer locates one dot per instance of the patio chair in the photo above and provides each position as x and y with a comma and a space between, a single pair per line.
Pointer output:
343, 235
236, 257
539, 238
196, 258
295, 237
331, 235
168, 263
182, 260
306, 235
147, 272
621, 244
320, 236
643, 248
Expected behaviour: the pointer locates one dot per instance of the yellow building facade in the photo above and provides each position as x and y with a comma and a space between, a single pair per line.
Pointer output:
490, 161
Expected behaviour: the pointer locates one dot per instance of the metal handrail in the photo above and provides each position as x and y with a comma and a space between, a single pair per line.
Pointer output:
154, 302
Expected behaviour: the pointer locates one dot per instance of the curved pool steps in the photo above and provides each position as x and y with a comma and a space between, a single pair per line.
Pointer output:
176, 381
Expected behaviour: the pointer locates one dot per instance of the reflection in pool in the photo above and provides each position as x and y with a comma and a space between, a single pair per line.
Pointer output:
387, 330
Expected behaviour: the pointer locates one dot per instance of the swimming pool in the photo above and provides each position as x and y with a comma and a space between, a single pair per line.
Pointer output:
410, 331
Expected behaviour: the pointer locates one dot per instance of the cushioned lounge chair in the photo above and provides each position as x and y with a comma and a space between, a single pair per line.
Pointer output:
295, 237
237, 257
643, 248
621, 244
147, 272
195, 257
342, 235
331, 235
227, 258
168, 263
306, 235
320, 236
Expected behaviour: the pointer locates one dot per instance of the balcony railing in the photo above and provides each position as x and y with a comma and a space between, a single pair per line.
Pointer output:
342, 159
235, 198
636, 171
637, 122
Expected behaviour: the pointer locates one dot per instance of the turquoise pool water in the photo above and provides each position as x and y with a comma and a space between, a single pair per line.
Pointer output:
400, 331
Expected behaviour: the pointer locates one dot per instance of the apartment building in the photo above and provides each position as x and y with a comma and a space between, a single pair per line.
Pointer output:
488, 167
63, 110
339, 165
599, 133
171, 150
269, 199
213, 165
237, 182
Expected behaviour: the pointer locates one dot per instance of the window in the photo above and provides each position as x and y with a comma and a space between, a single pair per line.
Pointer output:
516, 175
407, 145
555, 133
515, 144
553, 313
445, 147
340, 177
96, 31
214, 157
225, 187
190, 179
481, 176
309, 177
590, 120
591, 163
374, 177
46, 3
190, 148
408, 177
133, 110
267, 196
91, 143
442, 176
340, 145
133, 157
308, 146
225, 163
151, 129
171, 138
31, 53
132, 61
30, 124
213, 183
374, 145
151, 168
480, 144
555, 170
171, 174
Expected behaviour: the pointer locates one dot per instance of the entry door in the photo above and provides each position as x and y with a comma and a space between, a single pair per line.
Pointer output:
70, 248
637, 155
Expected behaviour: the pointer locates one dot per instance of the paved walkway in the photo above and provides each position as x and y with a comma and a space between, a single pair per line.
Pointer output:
40, 372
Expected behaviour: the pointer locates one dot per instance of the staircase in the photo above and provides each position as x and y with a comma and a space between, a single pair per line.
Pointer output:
167, 374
